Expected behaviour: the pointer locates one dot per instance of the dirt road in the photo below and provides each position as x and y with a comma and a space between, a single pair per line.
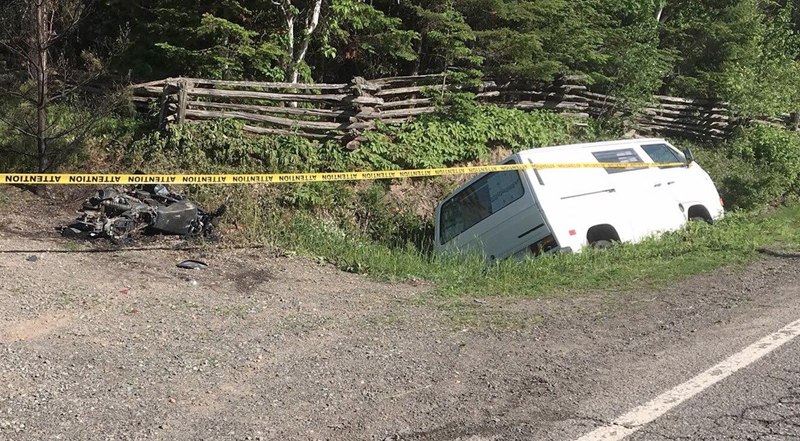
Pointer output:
124, 345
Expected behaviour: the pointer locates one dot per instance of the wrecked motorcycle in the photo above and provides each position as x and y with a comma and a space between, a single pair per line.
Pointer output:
147, 209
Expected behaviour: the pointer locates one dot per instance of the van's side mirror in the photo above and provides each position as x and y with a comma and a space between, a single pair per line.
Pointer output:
687, 152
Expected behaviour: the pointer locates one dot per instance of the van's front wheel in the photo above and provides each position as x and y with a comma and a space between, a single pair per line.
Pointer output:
601, 244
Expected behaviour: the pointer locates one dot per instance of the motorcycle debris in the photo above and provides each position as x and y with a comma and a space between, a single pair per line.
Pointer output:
192, 264
124, 214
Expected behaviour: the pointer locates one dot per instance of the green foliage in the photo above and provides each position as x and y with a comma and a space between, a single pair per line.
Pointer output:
373, 42
634, 65
219, 48
533, 39
466, 133
387, 223
18, 153
775, 155
759, 167
655, 262
221, 146
762, 76
445, 42
743, 51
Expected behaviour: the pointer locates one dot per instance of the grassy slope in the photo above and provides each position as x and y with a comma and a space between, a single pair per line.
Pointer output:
695, 249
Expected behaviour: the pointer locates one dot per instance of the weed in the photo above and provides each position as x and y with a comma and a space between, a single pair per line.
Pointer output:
760, 166
65, 300
238, 311
71, 245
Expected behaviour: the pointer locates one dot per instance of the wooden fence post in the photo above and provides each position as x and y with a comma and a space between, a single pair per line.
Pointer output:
166, 100
183, 89
363, 104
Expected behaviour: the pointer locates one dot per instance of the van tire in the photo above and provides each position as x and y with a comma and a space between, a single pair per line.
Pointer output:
601, 244
699, 219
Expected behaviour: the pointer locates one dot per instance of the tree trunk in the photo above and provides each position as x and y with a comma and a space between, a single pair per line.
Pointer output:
660, 11
297, 57
312, 21
42, 101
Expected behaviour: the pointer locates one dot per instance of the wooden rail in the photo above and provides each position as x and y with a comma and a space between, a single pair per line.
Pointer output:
345, 111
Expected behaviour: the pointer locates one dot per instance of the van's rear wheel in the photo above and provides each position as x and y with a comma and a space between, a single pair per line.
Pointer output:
601, 244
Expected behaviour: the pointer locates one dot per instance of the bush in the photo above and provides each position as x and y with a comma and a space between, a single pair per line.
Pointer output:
387, 223
466, 132
760, 166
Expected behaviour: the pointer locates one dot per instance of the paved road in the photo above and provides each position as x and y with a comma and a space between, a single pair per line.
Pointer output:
761, 402
755, 397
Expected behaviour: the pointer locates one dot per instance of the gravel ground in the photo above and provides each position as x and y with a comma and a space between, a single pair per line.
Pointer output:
124, 345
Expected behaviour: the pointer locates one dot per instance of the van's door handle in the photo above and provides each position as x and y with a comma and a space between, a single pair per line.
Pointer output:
657, 185
670, 182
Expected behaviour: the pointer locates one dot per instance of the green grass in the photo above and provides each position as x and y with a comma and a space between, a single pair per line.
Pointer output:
655, 262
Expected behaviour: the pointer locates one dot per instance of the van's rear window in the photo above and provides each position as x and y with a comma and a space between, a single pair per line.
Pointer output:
623, 156
484, 197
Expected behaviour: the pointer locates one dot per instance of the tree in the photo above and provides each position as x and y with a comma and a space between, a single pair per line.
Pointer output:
217, 47
33, 32
761, 79
742, 51
535, 39
302, 20
358, 39
446, 42
704, 36
633, 65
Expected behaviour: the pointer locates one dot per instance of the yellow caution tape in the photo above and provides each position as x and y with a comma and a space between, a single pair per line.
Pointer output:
280, 178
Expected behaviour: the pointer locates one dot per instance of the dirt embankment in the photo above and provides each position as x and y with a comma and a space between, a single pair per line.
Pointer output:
124, 345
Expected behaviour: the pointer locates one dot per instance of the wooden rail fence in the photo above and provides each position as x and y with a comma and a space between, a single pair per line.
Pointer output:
345, 111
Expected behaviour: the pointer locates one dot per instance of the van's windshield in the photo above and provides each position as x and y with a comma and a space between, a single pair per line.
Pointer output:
661, 153
484, 197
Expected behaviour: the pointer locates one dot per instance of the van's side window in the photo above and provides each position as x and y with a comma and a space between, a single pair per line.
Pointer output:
484, 197
660, 153
623, 156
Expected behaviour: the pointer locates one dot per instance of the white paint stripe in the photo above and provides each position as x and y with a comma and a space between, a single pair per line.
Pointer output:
637, 418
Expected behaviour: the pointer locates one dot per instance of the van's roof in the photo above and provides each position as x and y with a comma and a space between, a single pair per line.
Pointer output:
592, 145
529, 152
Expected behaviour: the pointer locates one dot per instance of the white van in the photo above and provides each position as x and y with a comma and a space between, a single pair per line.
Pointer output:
516, 213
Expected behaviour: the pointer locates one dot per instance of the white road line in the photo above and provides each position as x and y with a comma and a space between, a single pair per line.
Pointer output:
637, 418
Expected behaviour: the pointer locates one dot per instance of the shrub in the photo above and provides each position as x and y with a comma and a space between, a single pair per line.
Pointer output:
759, 166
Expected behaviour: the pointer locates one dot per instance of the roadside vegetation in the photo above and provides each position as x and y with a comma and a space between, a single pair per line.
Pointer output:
370, 228
384, 229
